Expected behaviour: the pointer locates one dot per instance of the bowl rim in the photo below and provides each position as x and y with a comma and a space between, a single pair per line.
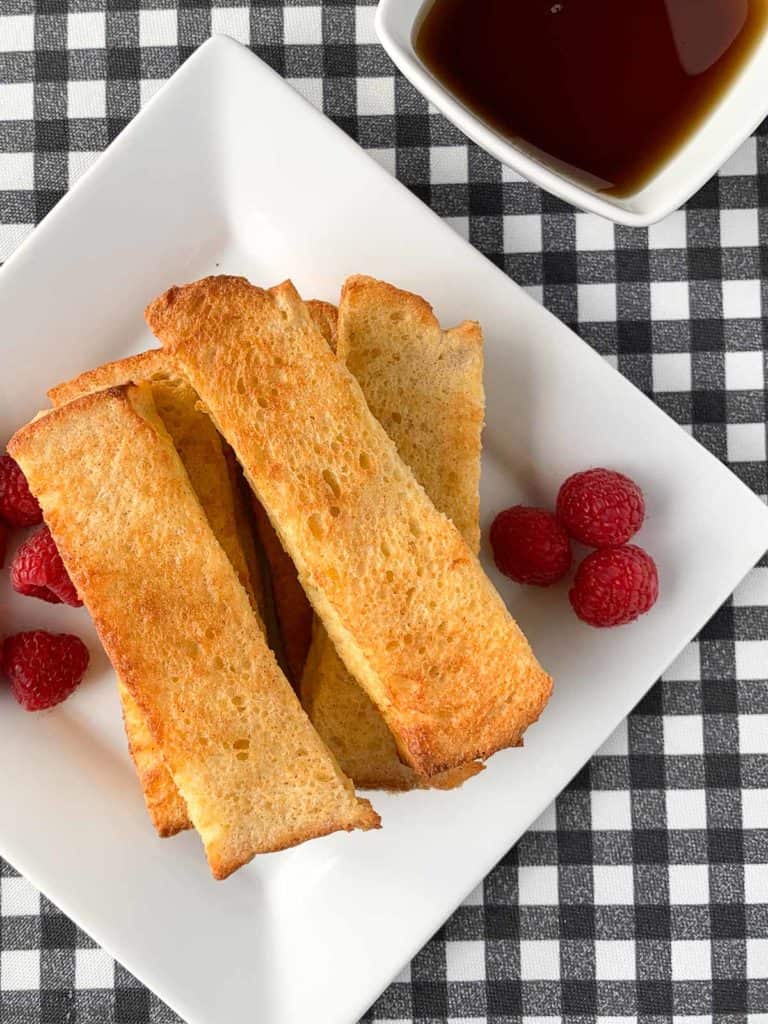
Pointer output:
691, 173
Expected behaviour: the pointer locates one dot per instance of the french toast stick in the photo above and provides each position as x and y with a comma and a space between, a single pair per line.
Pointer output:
180, 630
205, 459
403, 598
425, 386
292, 608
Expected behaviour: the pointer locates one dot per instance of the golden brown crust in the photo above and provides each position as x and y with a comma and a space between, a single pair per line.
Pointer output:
165, 804
216, 483
180, 630
143, 367
385, 571
425, 386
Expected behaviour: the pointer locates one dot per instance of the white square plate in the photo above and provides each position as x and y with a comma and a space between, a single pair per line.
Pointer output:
229, 170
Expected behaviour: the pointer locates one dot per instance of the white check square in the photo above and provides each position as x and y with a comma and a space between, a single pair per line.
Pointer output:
757, 958
753, 589
538, 884
686, 666
755, 883
94, 968
17, 101
465, 961
86, 30
17, 170
87, 99
686, 808
449, 165
751, 658
669, 233
754, 808
596, 303
691, 960
232, 21
744, 371
18, 897
615, 960
303, 26
746, 442
741, 300
540, 959
671, 371
611, 809
18, 33
688, 884
683, 734
158, 28
743, 161
753, 734
365, 26
19, 970
739, 228
614, 884
375, 96
670, 300
593, 233
522, 233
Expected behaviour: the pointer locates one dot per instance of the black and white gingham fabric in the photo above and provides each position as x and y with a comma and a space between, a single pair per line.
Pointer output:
642, 895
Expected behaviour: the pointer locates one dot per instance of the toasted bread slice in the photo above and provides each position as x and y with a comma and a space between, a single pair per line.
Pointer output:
207, 462
165, 804
425, 386
404, 600
180, 629
293, 611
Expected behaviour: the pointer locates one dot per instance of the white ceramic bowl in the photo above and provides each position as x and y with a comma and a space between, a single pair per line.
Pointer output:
740, 110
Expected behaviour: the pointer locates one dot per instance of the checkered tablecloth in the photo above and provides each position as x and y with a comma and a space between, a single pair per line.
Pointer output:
642, 894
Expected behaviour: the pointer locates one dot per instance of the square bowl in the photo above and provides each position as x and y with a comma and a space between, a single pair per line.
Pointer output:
731, 120
190, 188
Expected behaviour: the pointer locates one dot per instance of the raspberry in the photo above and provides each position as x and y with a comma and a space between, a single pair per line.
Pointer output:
530, 546
614, 586
38, 571
3, 542
18, 506
600, 508
44, 668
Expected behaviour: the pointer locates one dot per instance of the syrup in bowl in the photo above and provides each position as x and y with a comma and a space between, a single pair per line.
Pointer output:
604, 90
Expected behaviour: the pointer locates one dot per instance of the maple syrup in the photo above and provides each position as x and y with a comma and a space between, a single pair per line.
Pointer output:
606, 90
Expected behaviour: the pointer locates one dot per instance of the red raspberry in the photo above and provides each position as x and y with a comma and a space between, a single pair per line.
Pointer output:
38, 571
614, 586
600, 508
530, 546
3, 542
18, 506
44, 668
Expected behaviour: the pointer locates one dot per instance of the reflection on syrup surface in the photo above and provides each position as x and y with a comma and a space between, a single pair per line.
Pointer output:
608, 88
